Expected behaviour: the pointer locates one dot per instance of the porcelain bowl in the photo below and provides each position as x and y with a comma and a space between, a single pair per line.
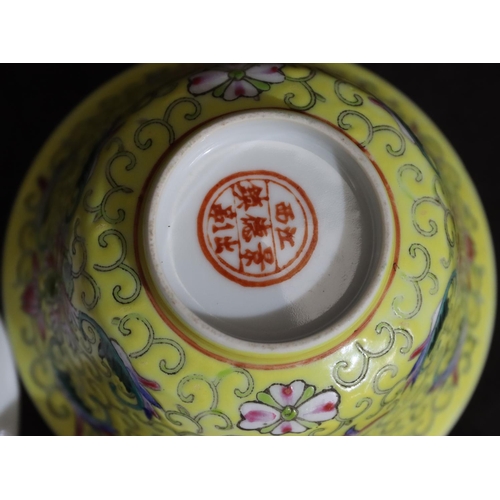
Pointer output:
249, 249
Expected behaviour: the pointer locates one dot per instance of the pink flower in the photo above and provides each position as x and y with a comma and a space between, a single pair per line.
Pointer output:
237, 80
31, 299
294, 408
470, 248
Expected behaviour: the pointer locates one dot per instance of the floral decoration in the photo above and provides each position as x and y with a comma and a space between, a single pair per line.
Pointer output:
236, 80
293, 408
64, 318
111, 385
31, 299
49, 294
437, 322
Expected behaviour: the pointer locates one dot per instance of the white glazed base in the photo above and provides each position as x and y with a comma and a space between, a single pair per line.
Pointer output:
239, 283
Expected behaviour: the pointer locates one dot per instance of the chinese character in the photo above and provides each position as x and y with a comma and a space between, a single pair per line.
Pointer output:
254, 226
221, 228
259, 256
284, 212
224, 244
220, 214
286, 235
249, 196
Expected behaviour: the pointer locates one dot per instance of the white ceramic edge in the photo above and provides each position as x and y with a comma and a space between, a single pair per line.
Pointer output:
225, 341
9, 388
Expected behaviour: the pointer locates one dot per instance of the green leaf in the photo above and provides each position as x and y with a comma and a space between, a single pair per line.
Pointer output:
265, 398
225, 372
115, 321
270, 428
307, 423
307, 394
182, 410
258, 84
320, 97
218, 91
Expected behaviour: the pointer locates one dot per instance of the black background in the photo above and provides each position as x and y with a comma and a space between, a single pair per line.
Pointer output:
460, 99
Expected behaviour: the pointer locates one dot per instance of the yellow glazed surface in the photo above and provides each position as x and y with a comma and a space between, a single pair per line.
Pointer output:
76, 284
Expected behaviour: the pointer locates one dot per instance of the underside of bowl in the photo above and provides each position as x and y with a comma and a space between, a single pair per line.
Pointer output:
249, 249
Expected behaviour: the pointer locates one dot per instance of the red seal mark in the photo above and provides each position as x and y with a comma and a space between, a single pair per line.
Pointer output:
257, 228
